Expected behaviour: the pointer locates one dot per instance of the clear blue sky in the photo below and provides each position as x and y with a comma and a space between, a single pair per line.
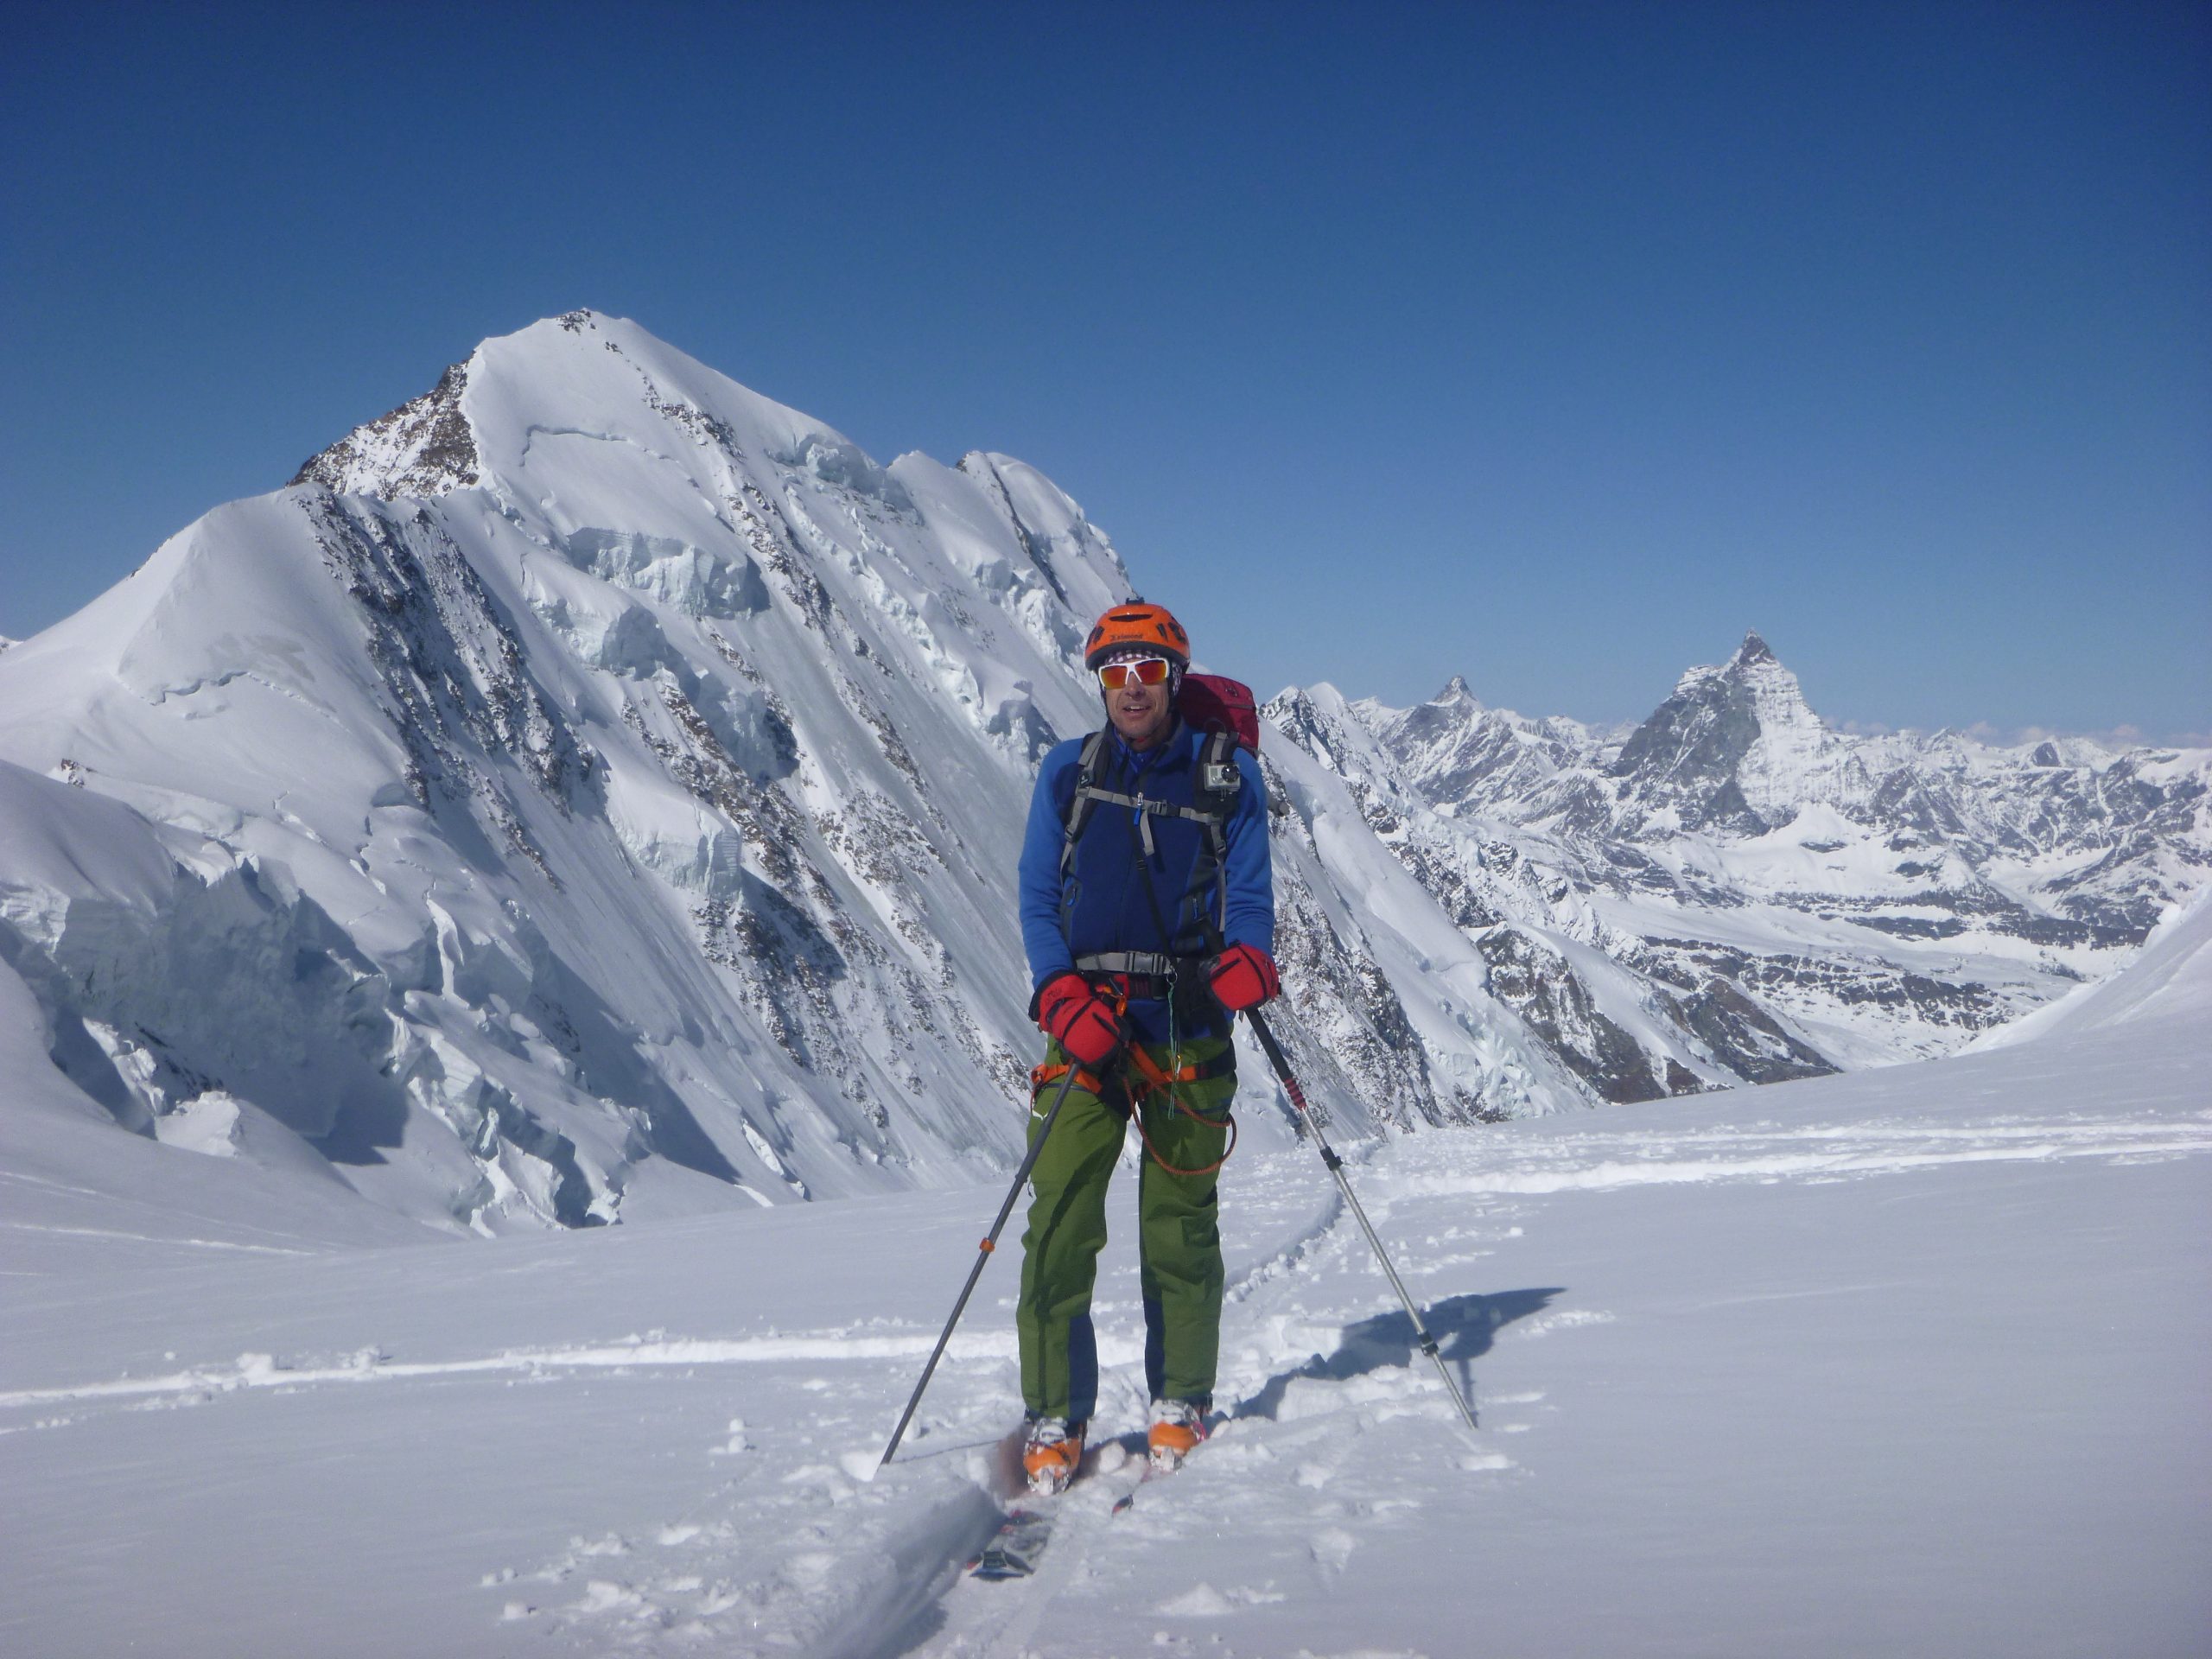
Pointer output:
1552, 344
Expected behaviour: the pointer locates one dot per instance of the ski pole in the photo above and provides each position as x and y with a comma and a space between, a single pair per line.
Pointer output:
1337, 1169
983, 1255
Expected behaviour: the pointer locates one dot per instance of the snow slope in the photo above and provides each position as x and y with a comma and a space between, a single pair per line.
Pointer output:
1905, 1361
2159, 982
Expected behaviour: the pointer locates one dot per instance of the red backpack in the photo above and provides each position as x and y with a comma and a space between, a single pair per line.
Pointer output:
1212, 704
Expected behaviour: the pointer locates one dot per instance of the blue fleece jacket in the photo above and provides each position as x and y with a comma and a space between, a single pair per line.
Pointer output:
1116, 898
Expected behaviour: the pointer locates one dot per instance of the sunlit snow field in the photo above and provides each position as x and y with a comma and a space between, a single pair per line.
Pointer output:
1908, 1361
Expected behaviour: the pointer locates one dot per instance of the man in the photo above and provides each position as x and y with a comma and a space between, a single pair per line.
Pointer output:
1147, 912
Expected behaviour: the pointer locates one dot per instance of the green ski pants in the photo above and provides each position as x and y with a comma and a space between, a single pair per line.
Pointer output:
1179, 1241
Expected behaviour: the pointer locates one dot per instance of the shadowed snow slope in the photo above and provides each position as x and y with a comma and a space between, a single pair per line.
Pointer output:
1908, 1361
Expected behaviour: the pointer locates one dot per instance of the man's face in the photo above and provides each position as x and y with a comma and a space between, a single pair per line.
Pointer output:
1140, 713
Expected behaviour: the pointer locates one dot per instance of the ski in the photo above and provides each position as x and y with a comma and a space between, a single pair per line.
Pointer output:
1014, 1549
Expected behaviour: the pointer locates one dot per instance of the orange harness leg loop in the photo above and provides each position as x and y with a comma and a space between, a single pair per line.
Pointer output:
1042, 1075
1152, 1079
1158, 1081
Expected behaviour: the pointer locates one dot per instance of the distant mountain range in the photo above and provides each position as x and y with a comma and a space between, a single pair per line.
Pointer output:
592, 790
1763, 895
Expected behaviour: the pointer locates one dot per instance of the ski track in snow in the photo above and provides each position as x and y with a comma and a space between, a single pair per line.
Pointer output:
264, 1371
118, 1235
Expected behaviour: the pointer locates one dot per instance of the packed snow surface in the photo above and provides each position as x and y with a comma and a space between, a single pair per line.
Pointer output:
1907, 1361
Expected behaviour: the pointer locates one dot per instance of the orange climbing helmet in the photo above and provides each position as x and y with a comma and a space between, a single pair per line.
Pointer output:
1141, 626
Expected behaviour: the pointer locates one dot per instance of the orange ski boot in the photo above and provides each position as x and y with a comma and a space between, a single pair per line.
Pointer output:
1049, 1452
1177, 1425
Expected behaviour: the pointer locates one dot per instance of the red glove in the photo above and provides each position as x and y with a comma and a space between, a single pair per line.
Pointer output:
1242, 976
1068, 1008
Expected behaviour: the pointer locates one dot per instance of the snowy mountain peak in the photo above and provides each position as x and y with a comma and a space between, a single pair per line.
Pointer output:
530, 395
1731, 744
627, 769
425, 447
1775, 691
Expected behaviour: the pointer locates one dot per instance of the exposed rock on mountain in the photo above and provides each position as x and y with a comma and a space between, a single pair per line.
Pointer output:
425, 447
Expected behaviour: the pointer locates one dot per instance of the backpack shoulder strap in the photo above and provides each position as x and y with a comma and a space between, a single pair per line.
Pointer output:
1086, 796
1219, 779
1219, 783
1213, 799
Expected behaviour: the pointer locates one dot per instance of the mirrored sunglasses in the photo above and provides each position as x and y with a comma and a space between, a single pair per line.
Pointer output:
1146, 670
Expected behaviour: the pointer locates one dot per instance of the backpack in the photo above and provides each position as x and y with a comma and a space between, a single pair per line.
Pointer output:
1215, 704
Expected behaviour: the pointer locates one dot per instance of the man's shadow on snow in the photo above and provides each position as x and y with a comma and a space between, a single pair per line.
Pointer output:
1461, 1324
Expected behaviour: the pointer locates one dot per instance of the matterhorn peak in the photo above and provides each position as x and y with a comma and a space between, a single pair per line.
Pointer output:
1753, 651
1778, 699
